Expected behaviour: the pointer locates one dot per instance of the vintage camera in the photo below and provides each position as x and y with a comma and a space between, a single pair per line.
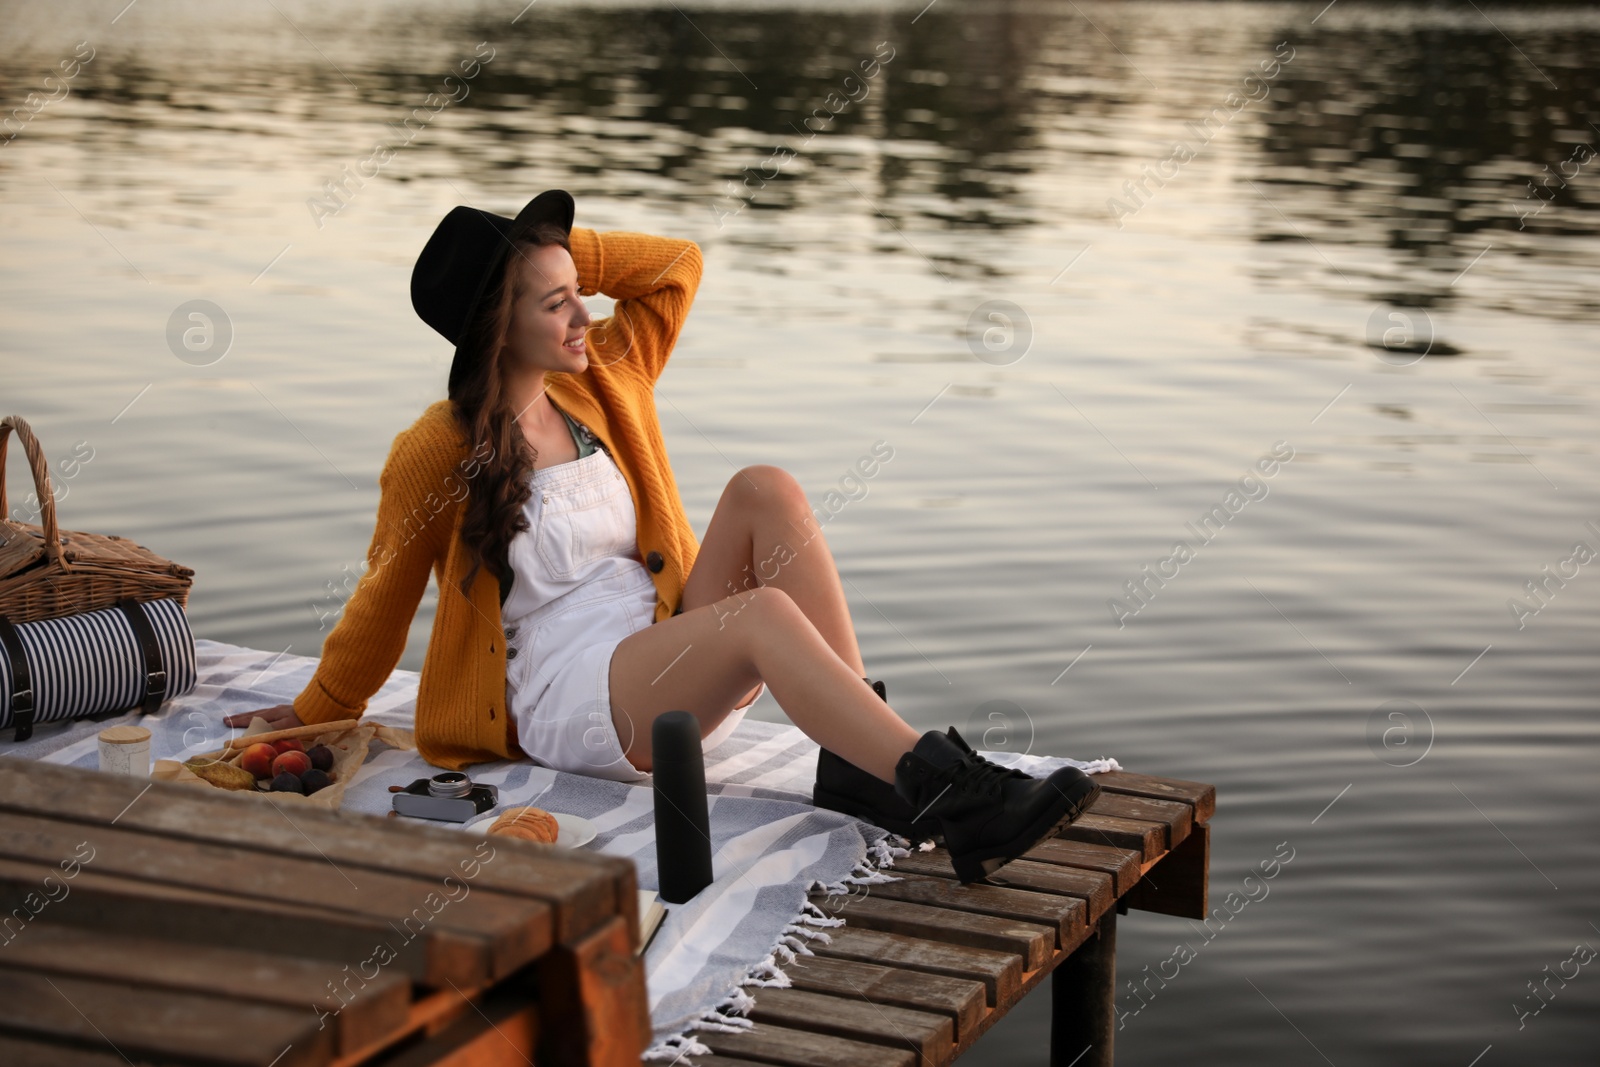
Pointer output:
449, 797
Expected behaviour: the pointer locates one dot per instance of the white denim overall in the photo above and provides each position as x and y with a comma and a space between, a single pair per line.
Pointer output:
580, 587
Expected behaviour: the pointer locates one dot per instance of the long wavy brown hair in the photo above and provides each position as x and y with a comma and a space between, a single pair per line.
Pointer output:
483, 411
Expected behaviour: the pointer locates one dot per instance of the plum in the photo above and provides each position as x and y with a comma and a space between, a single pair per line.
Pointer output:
257, 759
321, 757
314, 780
287, 783
295, 763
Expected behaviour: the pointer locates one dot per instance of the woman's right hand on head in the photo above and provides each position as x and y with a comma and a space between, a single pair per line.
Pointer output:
279, 717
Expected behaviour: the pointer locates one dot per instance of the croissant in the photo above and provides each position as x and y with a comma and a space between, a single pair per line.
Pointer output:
528, 824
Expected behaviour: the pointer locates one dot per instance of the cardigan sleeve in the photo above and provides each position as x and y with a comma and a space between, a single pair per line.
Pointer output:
419, 495
652, 279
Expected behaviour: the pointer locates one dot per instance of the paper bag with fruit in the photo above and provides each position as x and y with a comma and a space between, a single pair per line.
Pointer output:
301, 765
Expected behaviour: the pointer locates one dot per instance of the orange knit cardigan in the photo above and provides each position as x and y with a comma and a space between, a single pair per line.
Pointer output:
462, 716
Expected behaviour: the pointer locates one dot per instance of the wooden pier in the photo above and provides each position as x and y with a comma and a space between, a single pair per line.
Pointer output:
925, 966
147, 922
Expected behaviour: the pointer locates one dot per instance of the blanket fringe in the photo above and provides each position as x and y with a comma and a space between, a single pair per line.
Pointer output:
884, 852
721, 1021
676, 1047
864, 873
767, 974
811, 915
731, 1015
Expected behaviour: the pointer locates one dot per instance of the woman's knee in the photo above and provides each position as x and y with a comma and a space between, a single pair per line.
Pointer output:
762, 485
768, 608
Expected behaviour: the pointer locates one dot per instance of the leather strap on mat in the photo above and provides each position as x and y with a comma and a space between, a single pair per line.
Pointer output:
155, 675
21, 681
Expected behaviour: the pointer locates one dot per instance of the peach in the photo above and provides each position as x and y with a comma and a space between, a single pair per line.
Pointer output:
289, 744
257, 759
295, 763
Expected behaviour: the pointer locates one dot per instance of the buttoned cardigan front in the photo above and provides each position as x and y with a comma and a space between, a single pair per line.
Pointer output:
462, 716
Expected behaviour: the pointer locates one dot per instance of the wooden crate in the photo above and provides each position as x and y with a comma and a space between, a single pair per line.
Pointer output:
146, 922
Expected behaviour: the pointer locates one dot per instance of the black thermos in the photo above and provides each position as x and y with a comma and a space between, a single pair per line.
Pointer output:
683, 826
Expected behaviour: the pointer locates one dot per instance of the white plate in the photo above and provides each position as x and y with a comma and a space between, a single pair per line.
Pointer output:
575, 829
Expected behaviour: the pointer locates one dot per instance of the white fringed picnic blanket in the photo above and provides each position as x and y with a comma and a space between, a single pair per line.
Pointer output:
770, 847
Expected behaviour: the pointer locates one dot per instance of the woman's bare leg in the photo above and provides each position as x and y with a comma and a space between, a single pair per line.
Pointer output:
704, 660
763, 533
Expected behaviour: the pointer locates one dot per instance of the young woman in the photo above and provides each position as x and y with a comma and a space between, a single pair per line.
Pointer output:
576, 604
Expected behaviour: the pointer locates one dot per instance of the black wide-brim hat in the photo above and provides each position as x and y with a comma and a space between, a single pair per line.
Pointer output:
466, 253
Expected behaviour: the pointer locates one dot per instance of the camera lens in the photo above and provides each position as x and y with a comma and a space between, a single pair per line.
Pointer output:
449, 784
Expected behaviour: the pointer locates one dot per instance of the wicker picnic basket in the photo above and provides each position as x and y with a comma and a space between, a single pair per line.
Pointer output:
47, 574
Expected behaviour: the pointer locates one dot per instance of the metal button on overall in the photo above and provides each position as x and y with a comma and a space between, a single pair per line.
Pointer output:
654, 562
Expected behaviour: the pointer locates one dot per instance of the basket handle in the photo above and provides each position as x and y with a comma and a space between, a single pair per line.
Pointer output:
41, 483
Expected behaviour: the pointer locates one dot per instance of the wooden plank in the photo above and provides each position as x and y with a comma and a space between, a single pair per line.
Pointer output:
1149, 839
800, 1048
930, 1037
500, 1030
960, 1000
37, 1052
1062, 914
1180, 883
430, 1013
360, 1015
481, 931
1176, 816
159, 1024
582, 888
1030, 982
1198, 795
1032, 942
592, 1001
1000, 972
196, 916
1094, 888
1123, 865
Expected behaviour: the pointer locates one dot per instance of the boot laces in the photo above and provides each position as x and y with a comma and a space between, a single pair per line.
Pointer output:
976, 776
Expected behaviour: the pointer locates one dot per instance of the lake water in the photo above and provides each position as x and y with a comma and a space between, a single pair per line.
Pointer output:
1221, 233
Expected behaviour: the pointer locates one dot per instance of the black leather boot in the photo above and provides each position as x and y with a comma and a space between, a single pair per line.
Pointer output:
842, 786
990, 814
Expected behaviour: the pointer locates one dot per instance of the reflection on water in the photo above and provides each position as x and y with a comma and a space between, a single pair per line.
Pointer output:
1368, 233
